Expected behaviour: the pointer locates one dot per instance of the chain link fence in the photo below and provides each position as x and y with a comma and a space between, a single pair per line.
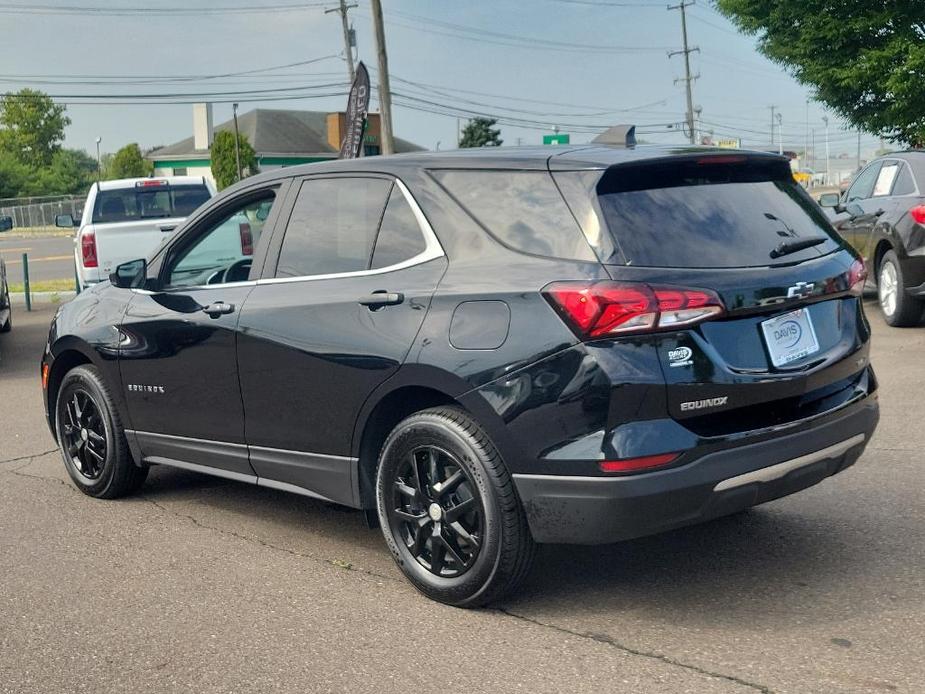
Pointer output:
40, 211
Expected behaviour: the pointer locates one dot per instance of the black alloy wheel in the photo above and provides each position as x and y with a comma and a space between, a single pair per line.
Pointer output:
83, 434
436, 511
449, 511
91, 438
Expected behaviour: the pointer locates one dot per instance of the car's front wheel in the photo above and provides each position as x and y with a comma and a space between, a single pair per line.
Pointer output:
91, 437
448, 509
899, 309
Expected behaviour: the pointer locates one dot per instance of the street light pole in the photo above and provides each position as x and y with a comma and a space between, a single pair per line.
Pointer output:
99, 165
237, 137
828, 172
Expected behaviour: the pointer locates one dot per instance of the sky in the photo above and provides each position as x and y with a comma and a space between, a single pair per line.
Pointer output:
538, 64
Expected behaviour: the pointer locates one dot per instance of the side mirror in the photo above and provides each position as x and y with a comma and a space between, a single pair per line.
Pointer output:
130, 274
829, 200
6, 223
65, 221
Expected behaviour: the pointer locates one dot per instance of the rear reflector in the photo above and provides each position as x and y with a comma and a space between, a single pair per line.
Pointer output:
598, 309
918, 214
44, 376
88, 249
636, 464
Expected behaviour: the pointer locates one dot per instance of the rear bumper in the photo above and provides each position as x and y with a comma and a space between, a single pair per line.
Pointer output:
597, 510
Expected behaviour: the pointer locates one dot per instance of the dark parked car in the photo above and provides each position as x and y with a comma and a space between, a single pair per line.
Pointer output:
484, 349
6, 306
882, 214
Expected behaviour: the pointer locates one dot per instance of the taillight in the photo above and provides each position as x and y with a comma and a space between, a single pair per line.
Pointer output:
857, 276
638, 464
598, 309
247, 239
918, 214
88, 249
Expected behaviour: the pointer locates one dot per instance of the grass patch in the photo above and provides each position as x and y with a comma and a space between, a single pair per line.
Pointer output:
26, 232
65, 285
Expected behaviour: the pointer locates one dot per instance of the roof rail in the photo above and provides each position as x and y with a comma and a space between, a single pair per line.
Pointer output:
620, 135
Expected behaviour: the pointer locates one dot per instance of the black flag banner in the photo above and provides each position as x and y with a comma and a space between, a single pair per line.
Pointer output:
357, 106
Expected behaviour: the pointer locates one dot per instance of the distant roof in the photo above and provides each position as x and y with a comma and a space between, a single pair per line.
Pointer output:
275, 133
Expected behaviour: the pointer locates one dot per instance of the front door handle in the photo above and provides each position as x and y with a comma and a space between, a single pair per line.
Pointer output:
168, 227
381, 298
218, 308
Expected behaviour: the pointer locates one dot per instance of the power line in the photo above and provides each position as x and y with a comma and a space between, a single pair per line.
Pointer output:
127, 11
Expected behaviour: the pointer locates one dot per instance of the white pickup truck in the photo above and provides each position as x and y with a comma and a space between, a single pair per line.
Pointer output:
130, 218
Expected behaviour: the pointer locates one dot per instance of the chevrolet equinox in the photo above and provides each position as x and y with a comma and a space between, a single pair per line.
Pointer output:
484, 349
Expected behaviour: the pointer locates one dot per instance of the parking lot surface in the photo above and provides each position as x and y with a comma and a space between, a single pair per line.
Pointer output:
50, 257
204, 585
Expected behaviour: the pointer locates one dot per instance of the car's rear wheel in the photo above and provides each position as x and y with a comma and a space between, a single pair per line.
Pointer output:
91, 437
448, 509
899, 309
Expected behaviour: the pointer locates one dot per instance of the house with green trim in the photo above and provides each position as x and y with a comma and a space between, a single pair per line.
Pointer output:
279, 137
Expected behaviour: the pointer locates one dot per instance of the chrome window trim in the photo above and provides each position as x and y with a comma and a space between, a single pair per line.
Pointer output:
432, 250
175, 290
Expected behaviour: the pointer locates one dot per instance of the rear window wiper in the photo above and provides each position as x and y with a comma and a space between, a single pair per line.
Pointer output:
788, 247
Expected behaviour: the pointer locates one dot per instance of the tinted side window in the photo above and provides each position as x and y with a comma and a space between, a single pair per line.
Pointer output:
863, 185
522, 209
400, 236
904, 184
333, 226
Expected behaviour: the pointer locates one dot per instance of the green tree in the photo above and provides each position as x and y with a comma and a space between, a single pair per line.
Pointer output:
128, 162
224, 163
865, 60
31, 126
480, 133
71, 171
14, 176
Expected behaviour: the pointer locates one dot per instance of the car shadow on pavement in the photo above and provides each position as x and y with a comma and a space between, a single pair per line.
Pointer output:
726, 569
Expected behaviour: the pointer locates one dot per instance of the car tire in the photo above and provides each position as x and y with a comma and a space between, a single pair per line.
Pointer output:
8, 325
899, 309
463, 539
91, 438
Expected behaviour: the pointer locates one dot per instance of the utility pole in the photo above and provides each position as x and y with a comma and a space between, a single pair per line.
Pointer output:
780, 134
772, 107
828, 171
99, 162
237, 140
859, 148
806, 138
688, 78
385, 92
348, 51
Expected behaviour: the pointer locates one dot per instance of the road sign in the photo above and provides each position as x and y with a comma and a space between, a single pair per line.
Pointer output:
557, 139
732, 143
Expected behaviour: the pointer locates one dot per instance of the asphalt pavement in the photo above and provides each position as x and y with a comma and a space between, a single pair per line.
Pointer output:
204, 585
50, 257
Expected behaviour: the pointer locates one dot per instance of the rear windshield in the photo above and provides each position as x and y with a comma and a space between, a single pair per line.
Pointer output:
133, 204
698, 214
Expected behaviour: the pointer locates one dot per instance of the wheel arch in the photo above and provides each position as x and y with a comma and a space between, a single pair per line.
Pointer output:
68, 352
880, 250
413, 389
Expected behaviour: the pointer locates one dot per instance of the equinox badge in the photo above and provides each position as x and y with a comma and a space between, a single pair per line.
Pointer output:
701, 404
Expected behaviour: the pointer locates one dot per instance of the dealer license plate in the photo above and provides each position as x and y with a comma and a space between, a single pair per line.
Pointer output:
790, 337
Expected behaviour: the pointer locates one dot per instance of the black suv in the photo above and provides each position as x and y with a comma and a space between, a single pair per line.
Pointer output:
882, 215
490, 348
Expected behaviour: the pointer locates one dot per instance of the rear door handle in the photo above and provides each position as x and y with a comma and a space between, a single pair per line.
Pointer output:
381, 298
168, 227
219, 308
